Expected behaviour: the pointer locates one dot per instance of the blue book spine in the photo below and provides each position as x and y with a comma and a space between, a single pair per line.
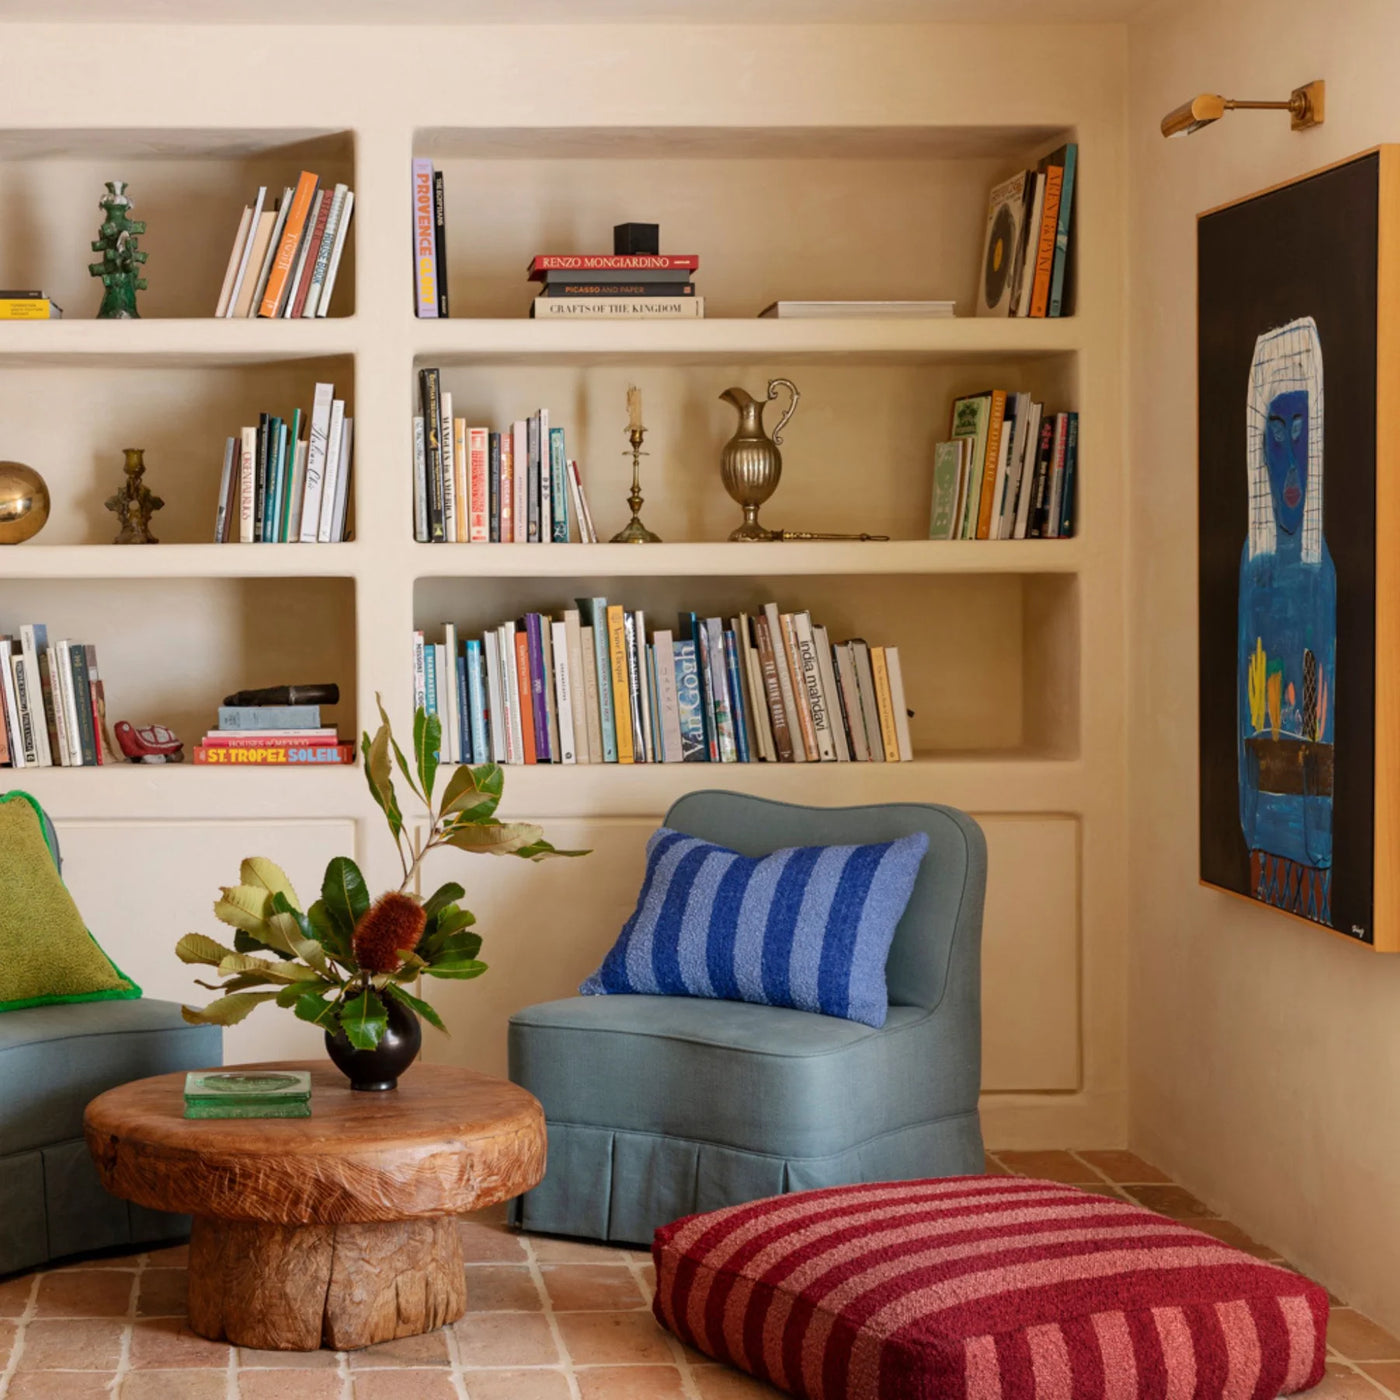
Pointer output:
493, 470
688, 629
235, 717
559, 488
430, 693
1057, 275
539, 705
736, 693
689, 703
594, 612
1071, 475
475, 669
464, 724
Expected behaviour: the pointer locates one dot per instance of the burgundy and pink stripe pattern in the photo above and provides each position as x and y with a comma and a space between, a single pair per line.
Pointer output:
984, 1288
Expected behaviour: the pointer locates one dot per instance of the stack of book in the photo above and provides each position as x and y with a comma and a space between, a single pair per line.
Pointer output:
1026, 256
285, 257
1008, 472
588, 687
262, 1093
429, 241
607, 286
476, 486
272, 734
28, 305
53, 709
280, 488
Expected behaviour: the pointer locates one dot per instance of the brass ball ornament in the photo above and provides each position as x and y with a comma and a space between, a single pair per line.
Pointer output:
24, 502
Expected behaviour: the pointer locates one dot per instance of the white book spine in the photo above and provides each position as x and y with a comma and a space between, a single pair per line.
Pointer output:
316, 462
1055, 489
511, 684
586, 533
225, 481
24, 715
235, 259
520, 443
73, 731
827, 673
60, 705
12, 724
546, 495
618, 308
449, 470
451, 720
551, 703
323, 254
1027, 479
563, 693
846, 678
242, 273
869, 704
340, 519
573, 635
588, 646
639, 639
775, 634
323, 307
420, 481
420, 676
810, 672
668, 700
901, 712
490, 646
331, 478
29, 646
299, 453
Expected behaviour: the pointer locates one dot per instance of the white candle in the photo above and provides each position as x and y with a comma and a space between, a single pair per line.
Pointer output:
634, 407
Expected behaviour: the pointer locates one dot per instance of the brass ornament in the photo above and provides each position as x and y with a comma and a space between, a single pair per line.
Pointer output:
634, 532
750, 464
134, 502
24, 502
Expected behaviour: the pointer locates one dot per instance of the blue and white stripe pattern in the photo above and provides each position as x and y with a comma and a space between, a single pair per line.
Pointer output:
808, 927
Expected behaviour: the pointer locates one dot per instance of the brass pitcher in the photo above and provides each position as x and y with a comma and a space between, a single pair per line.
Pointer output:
751, 464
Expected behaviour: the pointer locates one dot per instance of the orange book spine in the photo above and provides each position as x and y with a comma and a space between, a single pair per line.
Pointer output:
989, 464
884, 703
287, 248
1045, 249
527, 704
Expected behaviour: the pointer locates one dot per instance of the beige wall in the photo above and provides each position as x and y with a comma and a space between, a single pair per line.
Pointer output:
1264, 1055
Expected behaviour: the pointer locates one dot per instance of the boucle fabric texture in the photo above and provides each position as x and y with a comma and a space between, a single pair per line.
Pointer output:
984, 1288
807, 927
46, 953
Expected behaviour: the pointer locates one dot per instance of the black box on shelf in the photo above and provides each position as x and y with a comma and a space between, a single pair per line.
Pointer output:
636, 238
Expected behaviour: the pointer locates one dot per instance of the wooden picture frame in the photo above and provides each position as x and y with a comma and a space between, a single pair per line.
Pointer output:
1298, 362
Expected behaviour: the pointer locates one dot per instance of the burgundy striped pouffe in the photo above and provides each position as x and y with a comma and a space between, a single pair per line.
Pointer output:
984, 1288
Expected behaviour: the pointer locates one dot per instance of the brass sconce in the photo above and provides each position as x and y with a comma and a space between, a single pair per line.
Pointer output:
1305, 107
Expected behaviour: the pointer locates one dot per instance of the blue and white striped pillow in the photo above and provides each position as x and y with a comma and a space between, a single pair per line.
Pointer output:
807, 927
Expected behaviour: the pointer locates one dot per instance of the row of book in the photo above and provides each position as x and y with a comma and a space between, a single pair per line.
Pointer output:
588, 687
609, 286
1008, 473
272, 736
53, 707
285, 257
1026, 256
28, 304
279, 487
475, 486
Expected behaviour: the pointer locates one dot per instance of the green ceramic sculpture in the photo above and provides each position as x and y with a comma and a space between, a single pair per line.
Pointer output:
121, 259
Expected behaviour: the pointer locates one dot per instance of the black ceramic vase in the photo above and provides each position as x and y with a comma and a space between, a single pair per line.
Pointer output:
379, 1068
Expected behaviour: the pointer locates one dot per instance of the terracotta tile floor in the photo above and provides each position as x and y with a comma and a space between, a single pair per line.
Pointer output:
547, 1320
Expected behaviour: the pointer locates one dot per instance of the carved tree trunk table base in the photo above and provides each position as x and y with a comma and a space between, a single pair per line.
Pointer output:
299, 1287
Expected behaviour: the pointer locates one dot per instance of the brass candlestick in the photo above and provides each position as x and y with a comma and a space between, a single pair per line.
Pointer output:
635, 532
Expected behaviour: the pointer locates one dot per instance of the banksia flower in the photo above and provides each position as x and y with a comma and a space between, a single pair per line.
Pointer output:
390, 928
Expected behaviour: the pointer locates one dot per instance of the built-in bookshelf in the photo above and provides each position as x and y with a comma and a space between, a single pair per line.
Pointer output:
848, 176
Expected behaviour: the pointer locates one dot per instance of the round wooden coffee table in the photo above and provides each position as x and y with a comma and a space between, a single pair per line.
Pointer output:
336, 1230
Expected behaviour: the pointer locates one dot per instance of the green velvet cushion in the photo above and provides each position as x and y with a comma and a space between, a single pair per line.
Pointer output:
46, 953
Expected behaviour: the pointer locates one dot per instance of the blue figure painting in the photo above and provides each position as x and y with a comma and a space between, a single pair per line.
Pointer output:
1287, 639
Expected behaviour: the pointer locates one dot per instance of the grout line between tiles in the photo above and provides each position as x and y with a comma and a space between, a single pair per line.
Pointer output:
570, 1379
31, 1304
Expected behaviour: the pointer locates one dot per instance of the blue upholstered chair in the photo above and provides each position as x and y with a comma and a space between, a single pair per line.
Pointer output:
53, 1060
661, 1106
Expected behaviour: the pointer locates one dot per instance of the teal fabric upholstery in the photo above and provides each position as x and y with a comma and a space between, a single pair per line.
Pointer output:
661, 1106
53, 1060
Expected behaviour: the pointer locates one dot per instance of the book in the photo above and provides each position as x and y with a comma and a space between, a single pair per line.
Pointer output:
247, 484
268, 738
1035, 519
884, 704
321, 409
850, 703
341, 236
25, 715
597, 288
690, 721
448, 455
477, 699
559, 488
869, 703
33, 638
715, 668
261, 272
1053, 170
1055, 487
809, 675
6, 754
292, 230
578, 705
1027, 472
447, 683
617, 673
1059, 272
300, 284
425, 281
821, 642
269, 717
758, 695
66, 694
493, 488
524, 693
539, 707
340, 529
55, 710
1035, 206
235, 262
1070, 473
495, 703
320, 270
430, 390
13, 728
478, 455
947, 462
85, 747
667, 697
898, 705
532, 478
565, 674
29, 309
593, 613
258, 231
307, 756
801, 707
591, 696
544, 487
737, 699
506, 531
1001, 247
787, 730
829, 310
587, 534
99, 706
520, 480
420, 481
991, 462
595, 263
618, 308
331, 484
636, 695
440, 242
971, 420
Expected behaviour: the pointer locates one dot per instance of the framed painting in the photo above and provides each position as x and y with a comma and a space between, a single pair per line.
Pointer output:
1299, 579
